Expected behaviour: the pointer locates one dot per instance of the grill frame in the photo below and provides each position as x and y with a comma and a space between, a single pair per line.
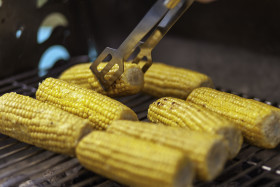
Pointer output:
25, 165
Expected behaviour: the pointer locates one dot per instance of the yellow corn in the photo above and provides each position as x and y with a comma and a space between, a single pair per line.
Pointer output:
259, 122
130, 82
134, 162
163, 80
99, 109
172, 4
78, 74
207, 152
179, 113
34, 122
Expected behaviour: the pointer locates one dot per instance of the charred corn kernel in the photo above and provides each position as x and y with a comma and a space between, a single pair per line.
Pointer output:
259, 122
99, 109
130, 82
134, 162
163, 80
179, 113
207, 152
34, 122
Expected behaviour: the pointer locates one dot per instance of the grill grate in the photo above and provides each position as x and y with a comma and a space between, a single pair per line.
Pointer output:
25, 165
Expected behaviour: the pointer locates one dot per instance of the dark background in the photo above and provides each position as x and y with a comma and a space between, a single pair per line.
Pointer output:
236, 42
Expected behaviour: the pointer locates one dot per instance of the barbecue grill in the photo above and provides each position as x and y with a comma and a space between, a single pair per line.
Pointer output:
25, 165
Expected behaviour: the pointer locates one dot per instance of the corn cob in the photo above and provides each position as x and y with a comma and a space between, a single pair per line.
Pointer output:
130, 82
179, 113
99, 109
163, 80
78, 74
259, 122
134, 162
40, 124
207, 152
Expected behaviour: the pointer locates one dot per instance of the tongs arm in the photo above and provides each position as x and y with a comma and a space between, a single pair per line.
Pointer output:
159, 19
178, 9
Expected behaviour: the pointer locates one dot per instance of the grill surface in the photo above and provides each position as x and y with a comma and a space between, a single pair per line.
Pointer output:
26, 165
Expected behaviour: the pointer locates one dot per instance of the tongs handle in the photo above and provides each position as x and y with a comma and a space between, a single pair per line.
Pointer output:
161, 17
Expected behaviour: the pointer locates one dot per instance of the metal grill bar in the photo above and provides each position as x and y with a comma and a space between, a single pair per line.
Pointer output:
91, 180
71, 175
53, 175
26, 165
12, 149
18, 155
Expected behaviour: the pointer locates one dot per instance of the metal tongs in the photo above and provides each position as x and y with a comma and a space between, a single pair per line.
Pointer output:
142, 40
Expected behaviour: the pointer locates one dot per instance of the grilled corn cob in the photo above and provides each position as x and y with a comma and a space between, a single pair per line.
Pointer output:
99, 109
78, 74
176, 112
208, 152
259, 122
134, 162
40, 124
163, 80
130, 82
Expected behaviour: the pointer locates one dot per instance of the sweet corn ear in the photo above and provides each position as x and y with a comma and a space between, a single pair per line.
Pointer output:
99, 109
78, 74
179, 113
130, 82
134, 162
259, 122
34, 122
163, 80
207, 152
